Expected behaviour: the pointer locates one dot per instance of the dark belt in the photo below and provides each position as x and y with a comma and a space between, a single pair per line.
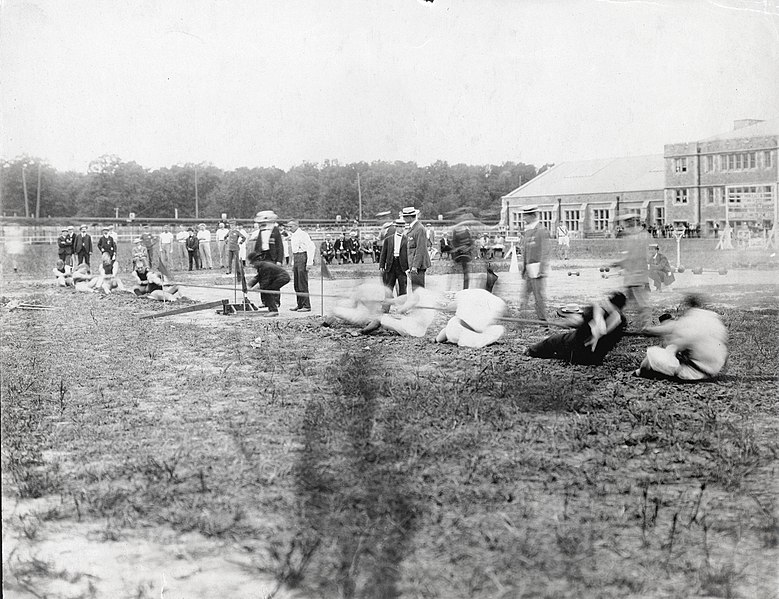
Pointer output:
466, 325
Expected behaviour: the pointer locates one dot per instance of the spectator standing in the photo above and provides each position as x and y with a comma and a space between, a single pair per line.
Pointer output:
535, 256
302, 249
65, 247
563, 242
167, 241
82, 246
181, 243
235, 238
287, 242
418, 256
393, 261
221, 235
149, 241
269, 244
204, 240
193, 247
107, 247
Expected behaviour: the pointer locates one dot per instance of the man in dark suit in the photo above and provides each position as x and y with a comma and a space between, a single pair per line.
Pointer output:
82, 246
418, 254
269, 244
535, 258
107, 245
393, 262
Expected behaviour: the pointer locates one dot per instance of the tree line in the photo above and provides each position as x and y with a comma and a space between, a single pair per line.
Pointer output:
112, 187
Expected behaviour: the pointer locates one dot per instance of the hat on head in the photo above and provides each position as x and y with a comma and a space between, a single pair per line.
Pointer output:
654, 246
137, 240
532, 209
265, 216
105, 229
409, 211
70, 228
400, 222
83, 227
64, 228
202, 225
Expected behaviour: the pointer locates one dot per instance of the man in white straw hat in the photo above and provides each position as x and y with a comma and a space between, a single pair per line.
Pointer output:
418, 254
535, 258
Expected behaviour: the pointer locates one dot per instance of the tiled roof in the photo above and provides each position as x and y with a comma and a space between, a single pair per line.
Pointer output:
609, 175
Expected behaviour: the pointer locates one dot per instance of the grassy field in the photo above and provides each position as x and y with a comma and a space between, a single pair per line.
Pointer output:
341, 466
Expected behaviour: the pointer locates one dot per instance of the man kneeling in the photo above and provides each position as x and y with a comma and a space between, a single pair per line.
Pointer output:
695, 346
599, 329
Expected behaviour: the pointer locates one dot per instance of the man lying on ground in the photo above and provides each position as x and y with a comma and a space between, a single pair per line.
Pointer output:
417, 311
151, 284
695, 346
63, 273
362, 306
599, 328
473, 324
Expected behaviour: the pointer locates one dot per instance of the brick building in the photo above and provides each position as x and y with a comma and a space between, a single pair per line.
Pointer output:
731, 177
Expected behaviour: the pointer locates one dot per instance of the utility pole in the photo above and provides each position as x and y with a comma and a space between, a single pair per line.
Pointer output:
38, 194
359, 198
197, 211
24, 185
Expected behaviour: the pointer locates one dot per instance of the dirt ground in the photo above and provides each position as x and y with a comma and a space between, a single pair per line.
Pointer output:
201, 455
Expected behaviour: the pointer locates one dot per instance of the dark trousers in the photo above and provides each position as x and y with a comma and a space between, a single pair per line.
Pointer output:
465, 263
232, 259
395, 274
271, 300
194, 257
83, 256
417, 278
300, 276
570, 346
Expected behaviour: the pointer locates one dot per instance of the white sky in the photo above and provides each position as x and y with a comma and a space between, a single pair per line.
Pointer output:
261, 83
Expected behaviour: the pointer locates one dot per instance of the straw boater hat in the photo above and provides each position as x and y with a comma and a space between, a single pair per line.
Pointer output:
266, 216
532, 209
569, 309
400, 222
409, 212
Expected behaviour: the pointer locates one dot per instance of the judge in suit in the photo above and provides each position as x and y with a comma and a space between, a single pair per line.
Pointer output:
535, 258
393, 262
82, 246
107, 245
269, 244
418, 254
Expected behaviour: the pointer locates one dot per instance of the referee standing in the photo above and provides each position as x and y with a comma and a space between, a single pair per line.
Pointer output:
302, 257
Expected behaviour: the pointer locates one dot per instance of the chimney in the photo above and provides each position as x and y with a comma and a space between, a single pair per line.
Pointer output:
741, 123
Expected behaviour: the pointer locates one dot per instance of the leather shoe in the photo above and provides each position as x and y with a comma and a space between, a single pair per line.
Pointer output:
304, 309
294, 309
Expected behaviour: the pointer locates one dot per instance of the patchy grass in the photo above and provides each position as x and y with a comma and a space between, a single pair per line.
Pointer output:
388, 467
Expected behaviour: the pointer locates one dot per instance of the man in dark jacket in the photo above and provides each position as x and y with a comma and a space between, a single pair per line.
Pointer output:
82, 246
462, 250
107, 245
270, 278
393, 262
418, 253
269, 244
660, 272
65, 246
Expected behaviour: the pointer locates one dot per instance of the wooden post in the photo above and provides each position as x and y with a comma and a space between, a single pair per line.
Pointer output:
197, 211
38, 194
24, 186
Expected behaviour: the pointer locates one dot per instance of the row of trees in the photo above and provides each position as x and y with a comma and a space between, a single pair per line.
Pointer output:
112, 187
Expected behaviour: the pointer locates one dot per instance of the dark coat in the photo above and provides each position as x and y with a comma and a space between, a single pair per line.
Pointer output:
388, 251
107, 245
418, 255
82, 244
275, 252
270, 276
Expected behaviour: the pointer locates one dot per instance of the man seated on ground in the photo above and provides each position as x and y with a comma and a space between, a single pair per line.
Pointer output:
695, 346
599, 328
151, 284
271, 278
360, 307
660, 272
417, 311
473, 324
63, 273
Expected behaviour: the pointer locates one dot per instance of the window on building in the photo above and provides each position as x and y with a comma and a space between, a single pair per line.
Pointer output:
709, 164
740, 161
572, 219
659, 216
767, 159
516, 221
600, 219
680, 196
680, 165
709, 195
545, 216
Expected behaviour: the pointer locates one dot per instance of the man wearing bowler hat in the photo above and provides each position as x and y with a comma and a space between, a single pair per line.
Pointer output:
393, 262
418, 255
535, 257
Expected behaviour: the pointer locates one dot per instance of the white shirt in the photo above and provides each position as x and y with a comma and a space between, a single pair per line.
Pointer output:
221, 234
397, 241
204, 236
166, 237
300, 241
181, 236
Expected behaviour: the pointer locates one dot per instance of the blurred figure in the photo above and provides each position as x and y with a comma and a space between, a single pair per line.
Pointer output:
635, 272
181, 244
167, 241
416, 312
362, 306
599, 328
473, 324
462, 250
695, 346
149, 241
660, 271
535, 257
